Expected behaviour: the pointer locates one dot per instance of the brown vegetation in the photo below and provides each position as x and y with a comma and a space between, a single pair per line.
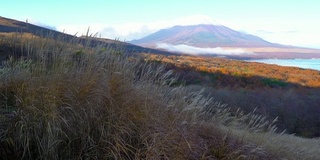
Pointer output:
289, 93
68, 101
241, 69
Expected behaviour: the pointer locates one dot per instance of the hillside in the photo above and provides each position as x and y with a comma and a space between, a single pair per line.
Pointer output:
270, 89
9, 27
90, 99
65, 101
218, 40
12, 26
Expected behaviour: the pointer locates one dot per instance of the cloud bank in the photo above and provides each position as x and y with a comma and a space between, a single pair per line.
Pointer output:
198, 51
131, 30
136, 30
38, 23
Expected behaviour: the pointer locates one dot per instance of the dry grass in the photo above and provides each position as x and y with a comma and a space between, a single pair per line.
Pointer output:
67, 101
282, 145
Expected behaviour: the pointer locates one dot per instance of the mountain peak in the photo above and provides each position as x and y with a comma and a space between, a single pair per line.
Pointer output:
202, 35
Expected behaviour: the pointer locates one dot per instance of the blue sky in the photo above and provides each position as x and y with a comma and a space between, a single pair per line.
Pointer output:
292, 22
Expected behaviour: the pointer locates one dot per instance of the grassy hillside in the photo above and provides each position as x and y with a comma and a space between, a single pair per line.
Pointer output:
289, 93
71, 101
9, 27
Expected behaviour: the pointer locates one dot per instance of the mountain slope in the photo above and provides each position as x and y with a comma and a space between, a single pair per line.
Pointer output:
220, 40
203, 36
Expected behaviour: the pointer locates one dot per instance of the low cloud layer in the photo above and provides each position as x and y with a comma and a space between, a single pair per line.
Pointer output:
197, 51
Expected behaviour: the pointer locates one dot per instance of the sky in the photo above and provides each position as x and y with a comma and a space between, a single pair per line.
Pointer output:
290, 22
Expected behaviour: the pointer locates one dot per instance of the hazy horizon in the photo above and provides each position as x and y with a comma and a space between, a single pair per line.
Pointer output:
286, 22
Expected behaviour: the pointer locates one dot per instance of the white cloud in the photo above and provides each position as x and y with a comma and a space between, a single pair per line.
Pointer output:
197, 51
132, 30
302, 38
33, 21
136, 30
81, 29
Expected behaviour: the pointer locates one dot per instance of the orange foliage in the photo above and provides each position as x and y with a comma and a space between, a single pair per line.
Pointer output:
242, 69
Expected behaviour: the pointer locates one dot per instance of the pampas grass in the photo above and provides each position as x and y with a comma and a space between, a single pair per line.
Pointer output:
69, 100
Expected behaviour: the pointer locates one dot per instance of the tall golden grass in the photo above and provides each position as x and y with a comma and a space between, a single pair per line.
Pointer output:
65, 100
